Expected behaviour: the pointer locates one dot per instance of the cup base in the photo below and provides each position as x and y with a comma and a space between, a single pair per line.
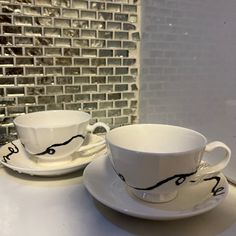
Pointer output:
154, 197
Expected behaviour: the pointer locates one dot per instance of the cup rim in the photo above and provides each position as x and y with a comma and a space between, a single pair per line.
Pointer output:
156, 153
19, 120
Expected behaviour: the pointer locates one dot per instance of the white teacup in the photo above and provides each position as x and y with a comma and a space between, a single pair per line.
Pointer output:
55, 135
156, 160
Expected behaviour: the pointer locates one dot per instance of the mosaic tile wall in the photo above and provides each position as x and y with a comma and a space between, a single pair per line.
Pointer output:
69, 54
188, 58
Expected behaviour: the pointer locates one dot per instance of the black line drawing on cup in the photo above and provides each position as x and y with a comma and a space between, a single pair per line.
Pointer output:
51, 149
12, 150
179, 180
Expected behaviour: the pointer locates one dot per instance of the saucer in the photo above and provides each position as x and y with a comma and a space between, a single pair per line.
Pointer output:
105, 186
14, 156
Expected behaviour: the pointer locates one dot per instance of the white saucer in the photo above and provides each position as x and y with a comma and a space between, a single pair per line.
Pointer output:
18, 160
104, 185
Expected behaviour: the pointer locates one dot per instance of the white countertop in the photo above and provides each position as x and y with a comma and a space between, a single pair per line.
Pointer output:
61, 206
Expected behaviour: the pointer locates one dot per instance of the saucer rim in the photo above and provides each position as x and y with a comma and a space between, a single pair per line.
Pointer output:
65, 168
141, 215
231, 177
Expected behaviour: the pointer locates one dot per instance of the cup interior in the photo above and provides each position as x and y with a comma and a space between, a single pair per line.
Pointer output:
49, 119
155, 138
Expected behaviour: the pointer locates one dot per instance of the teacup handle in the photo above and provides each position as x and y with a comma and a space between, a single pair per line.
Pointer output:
209, 170
91, 128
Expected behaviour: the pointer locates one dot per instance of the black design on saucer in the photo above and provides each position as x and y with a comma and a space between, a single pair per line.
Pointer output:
51, 149
121, 177
12, 150
216, 191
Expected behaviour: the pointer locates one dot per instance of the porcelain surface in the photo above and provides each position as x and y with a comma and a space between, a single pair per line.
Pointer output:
103, 184
14, 156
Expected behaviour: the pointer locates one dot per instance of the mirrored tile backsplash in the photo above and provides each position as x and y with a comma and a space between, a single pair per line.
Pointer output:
69, 54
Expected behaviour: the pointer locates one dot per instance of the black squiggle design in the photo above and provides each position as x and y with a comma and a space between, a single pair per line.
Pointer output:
50, 150
12, 150
121, 177
216, 191
179, 180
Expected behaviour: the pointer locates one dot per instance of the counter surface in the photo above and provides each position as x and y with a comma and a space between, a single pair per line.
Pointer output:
62, 206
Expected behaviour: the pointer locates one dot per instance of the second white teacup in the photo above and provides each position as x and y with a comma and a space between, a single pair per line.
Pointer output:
154, 161
54, 135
